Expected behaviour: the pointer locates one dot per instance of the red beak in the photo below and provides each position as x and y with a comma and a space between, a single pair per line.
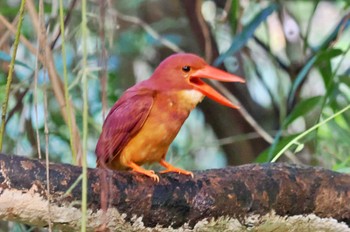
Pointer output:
215, 74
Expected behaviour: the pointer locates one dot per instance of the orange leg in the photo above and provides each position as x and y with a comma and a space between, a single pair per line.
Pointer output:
170, 168
137, 168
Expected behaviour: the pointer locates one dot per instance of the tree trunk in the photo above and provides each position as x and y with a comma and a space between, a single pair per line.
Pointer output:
260, 197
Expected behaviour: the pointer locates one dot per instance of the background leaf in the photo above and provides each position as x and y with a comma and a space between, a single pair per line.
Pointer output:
248, 31
302, 108
6, 57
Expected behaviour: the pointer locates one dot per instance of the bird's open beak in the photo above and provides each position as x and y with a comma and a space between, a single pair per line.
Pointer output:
215, 74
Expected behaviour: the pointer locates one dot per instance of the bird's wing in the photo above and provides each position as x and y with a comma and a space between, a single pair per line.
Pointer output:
124, 120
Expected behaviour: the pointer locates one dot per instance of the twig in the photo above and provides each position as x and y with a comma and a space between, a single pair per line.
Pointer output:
84, 193
308, 27
341, 30
66, 91
9, 77
148, 29
46, 131
19, 104
206, 33
23, 40
5, 36
66, 20
56, 82
227, 8
42, 39
266, 136
35, 93
103, 56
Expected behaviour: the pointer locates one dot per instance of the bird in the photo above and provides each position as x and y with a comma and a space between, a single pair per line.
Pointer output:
142, 124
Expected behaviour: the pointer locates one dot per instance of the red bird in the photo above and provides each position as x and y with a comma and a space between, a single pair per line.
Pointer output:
143, 123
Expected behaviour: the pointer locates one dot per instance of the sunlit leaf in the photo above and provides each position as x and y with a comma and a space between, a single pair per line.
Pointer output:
2, 92
235, 9
265, 155
328, 55
299, 148
325, 66
300, 78
343, 170
302, 108
317, 59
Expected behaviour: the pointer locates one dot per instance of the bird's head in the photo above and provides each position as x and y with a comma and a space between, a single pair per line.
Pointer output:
185, 71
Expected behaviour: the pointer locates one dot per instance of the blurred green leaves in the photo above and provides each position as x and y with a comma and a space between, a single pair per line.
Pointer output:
7, 58
303, 93
302, 109
248, 31
322, 60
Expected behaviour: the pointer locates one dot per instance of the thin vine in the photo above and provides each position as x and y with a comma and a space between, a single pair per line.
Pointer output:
296, 139
66, 90
11, 69
85, 116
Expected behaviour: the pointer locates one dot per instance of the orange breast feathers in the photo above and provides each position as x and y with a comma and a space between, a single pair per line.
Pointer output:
145, 120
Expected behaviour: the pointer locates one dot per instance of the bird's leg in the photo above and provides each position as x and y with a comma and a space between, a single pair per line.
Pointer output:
171, 168
137, 168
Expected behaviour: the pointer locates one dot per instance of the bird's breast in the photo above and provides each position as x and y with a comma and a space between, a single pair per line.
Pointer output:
168, 113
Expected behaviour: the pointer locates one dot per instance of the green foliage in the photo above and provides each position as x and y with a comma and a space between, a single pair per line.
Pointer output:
305, 77
248, 31
322, 60
325, 60
302, 109
272, 151
299, 92
10, 74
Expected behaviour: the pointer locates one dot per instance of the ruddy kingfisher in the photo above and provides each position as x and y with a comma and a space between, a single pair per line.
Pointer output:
145, 120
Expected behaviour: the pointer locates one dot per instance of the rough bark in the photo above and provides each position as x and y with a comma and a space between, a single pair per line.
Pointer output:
257, 196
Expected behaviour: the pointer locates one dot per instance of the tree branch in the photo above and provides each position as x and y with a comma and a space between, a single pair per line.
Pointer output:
254, 196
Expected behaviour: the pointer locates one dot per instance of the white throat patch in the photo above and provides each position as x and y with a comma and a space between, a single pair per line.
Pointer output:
193, 96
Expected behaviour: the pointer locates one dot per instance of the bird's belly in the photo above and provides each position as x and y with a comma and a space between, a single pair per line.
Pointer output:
153, 140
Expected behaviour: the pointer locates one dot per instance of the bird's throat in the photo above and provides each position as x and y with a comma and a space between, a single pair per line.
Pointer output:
191, 97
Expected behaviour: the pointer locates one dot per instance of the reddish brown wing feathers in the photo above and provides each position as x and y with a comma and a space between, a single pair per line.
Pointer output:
124, 120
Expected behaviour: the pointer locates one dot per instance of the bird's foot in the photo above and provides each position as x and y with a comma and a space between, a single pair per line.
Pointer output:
178, 170
170, 168
149, 173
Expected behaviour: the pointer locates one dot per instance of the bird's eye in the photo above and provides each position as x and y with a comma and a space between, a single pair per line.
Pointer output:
186, 68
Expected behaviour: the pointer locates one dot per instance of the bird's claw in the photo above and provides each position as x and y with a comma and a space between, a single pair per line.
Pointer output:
149, 173
138, 169
155, 177
170, 168
178, 170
